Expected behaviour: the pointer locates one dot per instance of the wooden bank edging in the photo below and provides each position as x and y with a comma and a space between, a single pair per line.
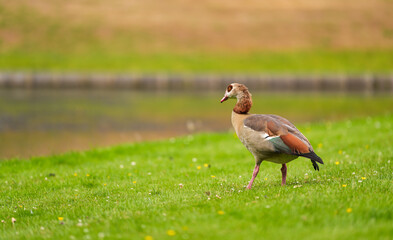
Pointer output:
346, 83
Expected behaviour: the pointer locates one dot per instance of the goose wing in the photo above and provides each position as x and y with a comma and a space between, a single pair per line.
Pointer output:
284, 136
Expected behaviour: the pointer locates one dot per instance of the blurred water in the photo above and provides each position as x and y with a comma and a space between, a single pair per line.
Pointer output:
41, 122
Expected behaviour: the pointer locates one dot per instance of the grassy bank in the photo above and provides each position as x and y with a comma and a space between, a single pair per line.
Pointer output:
193, 188
291, 62
181, 36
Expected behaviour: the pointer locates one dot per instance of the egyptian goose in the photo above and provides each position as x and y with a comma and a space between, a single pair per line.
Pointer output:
268, 137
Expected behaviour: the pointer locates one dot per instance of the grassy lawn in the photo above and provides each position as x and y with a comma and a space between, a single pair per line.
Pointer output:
193, 188
293, 62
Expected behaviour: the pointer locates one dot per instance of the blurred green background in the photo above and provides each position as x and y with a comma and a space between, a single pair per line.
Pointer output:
92, 74
322, 36
280, 38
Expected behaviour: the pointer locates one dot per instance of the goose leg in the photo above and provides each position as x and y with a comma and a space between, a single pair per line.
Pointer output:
284, 174
254, 175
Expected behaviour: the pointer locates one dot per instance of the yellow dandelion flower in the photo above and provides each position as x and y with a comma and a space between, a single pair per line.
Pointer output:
349, 210
320, 145
20, 206
129, 174
344, 185
87, 175
221, 212
213, 176
75, 174
104, 184
171, 232
148, 237
134, 182
337, 163
205, 165
265, 178
199, 167
340, 151
363, 178
60, 218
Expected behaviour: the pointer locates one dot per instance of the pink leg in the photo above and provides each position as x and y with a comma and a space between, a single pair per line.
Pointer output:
254, 175
284, 174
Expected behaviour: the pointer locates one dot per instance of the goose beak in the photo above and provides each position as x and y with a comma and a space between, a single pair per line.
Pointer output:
224, 98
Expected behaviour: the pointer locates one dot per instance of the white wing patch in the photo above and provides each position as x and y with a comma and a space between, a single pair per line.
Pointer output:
264, 135
267, 137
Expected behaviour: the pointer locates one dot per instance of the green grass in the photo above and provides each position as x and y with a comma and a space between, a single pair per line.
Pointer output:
133, 191
294, 62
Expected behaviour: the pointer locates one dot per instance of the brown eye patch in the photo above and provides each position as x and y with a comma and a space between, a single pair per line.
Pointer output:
229, 88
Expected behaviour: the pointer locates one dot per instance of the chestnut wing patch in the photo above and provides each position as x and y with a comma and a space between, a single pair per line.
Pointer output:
296, 145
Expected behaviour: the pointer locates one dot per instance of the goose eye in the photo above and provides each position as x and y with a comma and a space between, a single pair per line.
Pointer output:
229, 88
